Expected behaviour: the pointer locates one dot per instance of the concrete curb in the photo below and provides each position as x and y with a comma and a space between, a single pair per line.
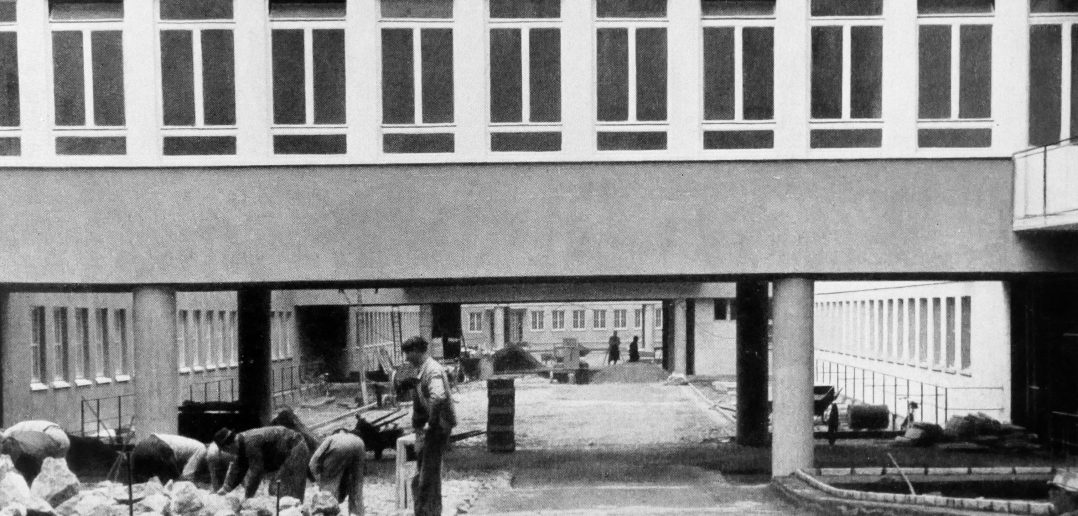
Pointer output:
803, 487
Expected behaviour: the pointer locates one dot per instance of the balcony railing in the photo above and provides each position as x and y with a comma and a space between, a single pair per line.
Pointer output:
1046, 187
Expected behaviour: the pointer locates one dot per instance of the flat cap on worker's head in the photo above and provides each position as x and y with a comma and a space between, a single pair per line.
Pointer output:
416, 343
224, 437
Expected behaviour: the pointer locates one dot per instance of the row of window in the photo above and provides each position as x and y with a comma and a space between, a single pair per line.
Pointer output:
308, 57
576, 319
77, 345
208, 339
931, 332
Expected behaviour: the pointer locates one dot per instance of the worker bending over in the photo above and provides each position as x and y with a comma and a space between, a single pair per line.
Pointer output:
273, 450
337, 466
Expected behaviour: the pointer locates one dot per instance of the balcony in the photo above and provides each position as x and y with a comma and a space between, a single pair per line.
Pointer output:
1046, 187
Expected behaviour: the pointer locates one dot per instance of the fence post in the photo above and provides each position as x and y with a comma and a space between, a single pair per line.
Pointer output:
936, 402
119, 417
97, 405
82, 417
946, 403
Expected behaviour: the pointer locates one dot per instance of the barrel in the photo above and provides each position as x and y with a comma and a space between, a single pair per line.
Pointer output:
871, 417
501, 401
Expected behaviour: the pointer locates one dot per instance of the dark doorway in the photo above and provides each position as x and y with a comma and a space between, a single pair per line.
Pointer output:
323, 336
690, 336
1044, 358
668, 335
445, 328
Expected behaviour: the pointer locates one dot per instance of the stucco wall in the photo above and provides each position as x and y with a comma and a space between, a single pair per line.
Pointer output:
381, 223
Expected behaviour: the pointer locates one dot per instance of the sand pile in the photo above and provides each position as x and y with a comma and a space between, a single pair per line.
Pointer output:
513, 359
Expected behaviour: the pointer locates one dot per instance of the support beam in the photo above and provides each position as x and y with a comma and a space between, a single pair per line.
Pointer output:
6, 340
499, 328
255, 373
155, 360
752, 363
791, 447
679, 337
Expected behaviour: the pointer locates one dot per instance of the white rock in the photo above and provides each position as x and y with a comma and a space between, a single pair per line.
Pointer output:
56, 483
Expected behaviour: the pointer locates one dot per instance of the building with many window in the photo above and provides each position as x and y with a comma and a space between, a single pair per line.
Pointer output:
439, 153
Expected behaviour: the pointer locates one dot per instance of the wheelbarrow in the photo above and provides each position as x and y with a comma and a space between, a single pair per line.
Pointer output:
822, 398
380, 433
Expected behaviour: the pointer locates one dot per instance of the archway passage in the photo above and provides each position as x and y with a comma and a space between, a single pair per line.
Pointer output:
323, 336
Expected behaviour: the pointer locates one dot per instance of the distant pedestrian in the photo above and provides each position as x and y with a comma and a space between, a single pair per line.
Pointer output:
337, 466
634, 349
614, 353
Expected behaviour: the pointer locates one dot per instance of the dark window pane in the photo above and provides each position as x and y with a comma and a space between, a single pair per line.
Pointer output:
632, 140
416, 143
975, 79
437, 50
954, 6
91, 145
737, 7
196, 9
505, 76
827, 72
417, 9
7, 11
10, 147
651, 74
1054, 6
612, 60
310, 144
199, 145
68, 86
935, 71
525, 142
218, 77
177, 78
954, 138
108, 73
758, 67
845, 138
86, 10
9, 80
630, 8
719, 73
739, 139
847, 7
329, 89
397, 77
1074, 80
1045, 83
306, 9
525, 8
866, 72
545, 78
289, 89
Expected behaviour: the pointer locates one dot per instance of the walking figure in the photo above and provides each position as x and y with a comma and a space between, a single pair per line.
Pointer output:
614, 354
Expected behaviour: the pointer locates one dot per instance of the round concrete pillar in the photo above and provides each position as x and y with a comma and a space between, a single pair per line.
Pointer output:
791, 444
157, 383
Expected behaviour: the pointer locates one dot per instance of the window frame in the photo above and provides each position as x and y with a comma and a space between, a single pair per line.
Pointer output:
955, 22
61, 343
524, 27
475, 322
416, 26
38, 348
537, 319
1067, 22
739, 122
583, 323
557, 320
308, 25
15, 131
103, 342
598, 319
84, 349
86, 29
846, 120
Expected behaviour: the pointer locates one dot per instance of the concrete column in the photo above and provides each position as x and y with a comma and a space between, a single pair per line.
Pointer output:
679, 334
6, 340
647, 326
255, 373
791, 447
752, 363
155, 360
499, 329
426, 326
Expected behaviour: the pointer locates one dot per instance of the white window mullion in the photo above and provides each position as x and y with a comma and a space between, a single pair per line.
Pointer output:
632, 73
88, 77
308, 74
417, 75
956, 60
525, 75
196, 67
739, 81
1066, 86
847, 73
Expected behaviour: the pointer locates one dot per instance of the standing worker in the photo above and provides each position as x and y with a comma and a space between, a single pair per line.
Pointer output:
433, 419
337, 466
614, 353
271, 449
634, 349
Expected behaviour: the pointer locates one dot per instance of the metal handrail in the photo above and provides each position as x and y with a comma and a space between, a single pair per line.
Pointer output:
100, 422
1043, 150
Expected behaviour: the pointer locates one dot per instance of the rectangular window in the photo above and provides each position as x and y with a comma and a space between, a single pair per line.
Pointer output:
213, 343
525, 75
631, 71
417, 76
949, 331
181, 340
658, 316
226, 339
922, 336
537, 320
847, 74
638, 317
937, 332
286, 333
119, 335
275, 335
9, 74
900, 330
39, 371
620, 318
1053, 79
955, 77
967, 332
738, 83
578, 319
234, 332
104, 366
945, 7
1053, 6
81, 10
199, 340
82, 343
60, 344
475, 322
598, 319
306, 9
557, 320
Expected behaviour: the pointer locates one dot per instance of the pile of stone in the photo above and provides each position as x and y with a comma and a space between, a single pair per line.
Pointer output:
971, 431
